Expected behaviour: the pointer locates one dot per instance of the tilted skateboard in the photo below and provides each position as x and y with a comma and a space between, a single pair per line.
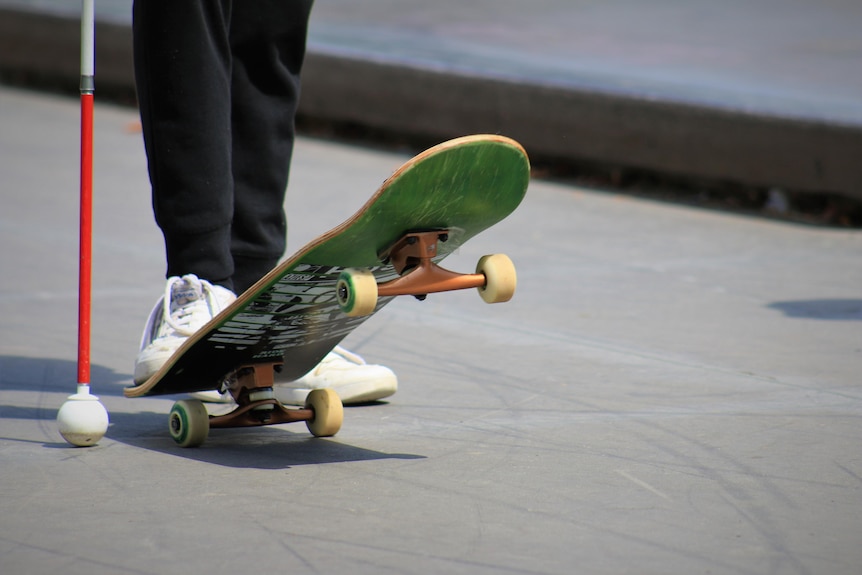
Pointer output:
296, 314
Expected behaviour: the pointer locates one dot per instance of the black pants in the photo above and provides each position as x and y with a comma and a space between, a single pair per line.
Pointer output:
218, 86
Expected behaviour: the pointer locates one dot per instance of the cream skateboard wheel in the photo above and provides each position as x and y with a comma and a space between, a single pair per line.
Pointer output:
328, 412
500, 278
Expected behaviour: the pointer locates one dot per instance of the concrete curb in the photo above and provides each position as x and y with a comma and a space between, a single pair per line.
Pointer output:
552, 121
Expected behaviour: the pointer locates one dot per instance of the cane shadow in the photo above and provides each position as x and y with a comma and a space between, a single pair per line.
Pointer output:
266, 447
822, 309
42, 375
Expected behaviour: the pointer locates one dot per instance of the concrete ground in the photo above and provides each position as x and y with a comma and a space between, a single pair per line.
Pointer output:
670, 391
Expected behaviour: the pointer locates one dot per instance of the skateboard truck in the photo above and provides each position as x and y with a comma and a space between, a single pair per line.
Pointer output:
412, 256
251, 387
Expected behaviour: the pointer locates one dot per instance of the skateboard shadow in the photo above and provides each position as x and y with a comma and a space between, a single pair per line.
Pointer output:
268, 447
824, 309
271, 447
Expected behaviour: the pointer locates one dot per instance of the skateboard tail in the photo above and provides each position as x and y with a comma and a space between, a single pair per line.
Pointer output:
481, 180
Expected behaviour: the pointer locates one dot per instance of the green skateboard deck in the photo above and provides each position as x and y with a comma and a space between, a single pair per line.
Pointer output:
304, 307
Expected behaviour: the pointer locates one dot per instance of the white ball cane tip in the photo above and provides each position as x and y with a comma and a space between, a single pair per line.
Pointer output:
82, 420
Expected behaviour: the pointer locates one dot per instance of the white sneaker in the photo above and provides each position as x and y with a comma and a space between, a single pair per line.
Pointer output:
213, 396
192, 303
354, 380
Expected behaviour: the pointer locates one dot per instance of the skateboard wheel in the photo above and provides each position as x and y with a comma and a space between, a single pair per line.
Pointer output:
500, 278
328, 412
189, 423
357, 292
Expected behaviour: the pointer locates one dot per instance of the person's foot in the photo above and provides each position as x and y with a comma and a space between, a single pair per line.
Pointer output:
191, 303
354, 380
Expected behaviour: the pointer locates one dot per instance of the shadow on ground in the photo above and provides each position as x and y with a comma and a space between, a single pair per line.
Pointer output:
825, 309
268, 447
141, 423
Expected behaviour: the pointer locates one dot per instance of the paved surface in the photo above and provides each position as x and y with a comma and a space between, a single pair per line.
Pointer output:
765, 93
670, 391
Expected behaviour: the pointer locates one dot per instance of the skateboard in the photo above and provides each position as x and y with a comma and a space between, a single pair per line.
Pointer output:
289, 320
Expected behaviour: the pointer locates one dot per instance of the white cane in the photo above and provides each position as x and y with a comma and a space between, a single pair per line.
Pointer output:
82, 419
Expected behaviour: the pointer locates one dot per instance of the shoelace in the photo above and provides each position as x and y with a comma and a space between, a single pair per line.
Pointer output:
181, 319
